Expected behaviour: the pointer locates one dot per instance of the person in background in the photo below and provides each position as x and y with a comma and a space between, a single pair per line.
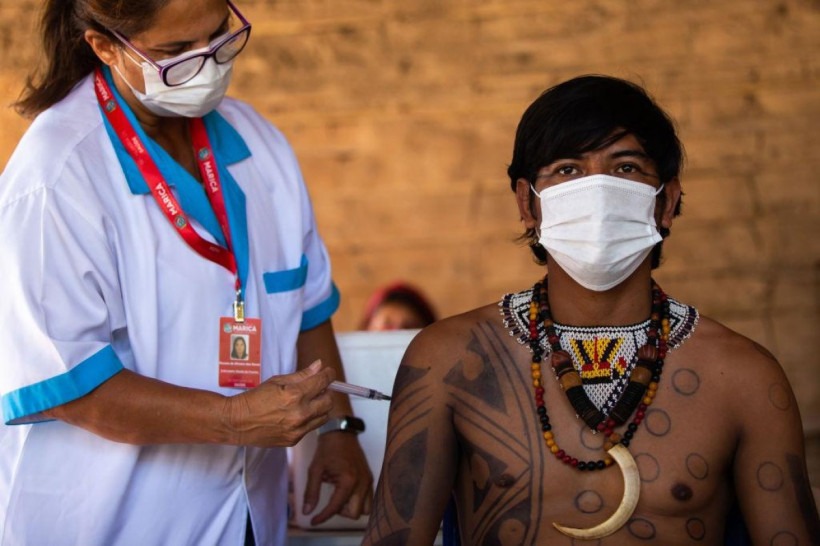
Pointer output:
397, 306
146, 219
592, 407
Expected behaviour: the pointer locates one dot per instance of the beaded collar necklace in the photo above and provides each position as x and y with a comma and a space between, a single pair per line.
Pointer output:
638, 394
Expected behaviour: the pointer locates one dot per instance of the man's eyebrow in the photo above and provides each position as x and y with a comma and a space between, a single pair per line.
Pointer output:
564, 157
630, 153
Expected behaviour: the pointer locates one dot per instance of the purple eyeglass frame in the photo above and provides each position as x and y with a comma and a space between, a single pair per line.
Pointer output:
163, 70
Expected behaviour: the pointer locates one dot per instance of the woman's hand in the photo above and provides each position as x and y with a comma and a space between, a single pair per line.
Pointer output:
339, 460
282, 409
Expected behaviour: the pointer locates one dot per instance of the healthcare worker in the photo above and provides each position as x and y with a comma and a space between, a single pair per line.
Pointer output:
145, 222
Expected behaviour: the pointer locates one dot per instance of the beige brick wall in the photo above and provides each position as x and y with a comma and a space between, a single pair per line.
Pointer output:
403, 115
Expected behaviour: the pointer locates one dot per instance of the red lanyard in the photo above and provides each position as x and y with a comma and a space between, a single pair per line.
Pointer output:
159, 187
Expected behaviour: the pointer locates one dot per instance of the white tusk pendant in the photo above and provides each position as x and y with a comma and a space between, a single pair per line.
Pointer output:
632, 490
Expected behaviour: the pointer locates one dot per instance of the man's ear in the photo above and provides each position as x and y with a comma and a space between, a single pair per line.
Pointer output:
672, 193
103, 46
523, 196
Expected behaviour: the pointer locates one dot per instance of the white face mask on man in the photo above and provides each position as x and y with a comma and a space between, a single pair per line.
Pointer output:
192, 99
599, 228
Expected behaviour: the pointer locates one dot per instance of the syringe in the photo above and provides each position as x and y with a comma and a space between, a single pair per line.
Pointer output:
356, 390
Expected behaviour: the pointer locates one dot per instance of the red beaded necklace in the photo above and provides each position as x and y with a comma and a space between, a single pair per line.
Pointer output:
638, 394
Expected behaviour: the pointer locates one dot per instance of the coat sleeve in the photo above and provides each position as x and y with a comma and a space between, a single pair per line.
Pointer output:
61, 303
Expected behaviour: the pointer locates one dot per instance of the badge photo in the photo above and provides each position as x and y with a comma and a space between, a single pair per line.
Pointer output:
240, 362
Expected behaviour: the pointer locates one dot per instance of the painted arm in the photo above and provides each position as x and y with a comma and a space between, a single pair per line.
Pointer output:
421, 454
770, 467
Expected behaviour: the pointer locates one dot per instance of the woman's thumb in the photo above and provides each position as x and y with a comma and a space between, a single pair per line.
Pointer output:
301, 375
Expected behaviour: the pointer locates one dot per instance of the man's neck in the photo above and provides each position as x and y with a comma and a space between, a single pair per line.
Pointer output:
628, 303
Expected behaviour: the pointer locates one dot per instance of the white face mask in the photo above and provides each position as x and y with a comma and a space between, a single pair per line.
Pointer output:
192, 99
599, 228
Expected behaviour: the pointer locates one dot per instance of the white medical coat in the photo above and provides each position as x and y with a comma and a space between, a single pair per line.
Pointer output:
94, 279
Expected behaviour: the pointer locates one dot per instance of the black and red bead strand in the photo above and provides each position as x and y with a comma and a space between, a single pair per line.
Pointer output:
659, 333
639, 393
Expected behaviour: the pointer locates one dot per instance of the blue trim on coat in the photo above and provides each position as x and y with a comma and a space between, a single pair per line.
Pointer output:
228, 147
318, 314
24, 405
289, 279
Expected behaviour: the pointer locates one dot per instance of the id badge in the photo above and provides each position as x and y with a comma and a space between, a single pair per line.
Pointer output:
240, 353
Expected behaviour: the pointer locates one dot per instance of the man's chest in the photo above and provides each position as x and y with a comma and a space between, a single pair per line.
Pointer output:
681, 448
681, 480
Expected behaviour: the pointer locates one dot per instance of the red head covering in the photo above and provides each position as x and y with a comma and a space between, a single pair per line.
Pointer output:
403, 293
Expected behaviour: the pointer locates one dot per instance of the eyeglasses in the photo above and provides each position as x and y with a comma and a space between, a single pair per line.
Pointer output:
181, 70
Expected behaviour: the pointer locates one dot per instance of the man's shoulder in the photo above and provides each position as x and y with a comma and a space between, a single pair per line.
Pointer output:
719, 336
450, 339
462, 324
747, 383
722, 349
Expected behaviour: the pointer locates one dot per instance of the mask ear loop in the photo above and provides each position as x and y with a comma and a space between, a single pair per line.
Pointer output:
659, 189
537, 241
117, 70
132, 59
140, 64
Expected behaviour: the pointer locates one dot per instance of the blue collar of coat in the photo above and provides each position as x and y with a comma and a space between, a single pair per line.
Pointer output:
228, 147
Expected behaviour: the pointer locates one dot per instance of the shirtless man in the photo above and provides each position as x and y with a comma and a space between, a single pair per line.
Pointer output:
496, 407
